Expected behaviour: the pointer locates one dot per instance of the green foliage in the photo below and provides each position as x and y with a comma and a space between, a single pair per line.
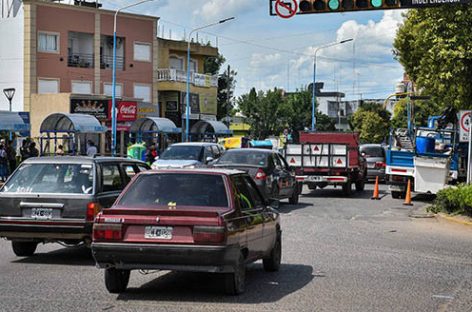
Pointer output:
456, 200
226, 84
422, 110
372, 122
435, 47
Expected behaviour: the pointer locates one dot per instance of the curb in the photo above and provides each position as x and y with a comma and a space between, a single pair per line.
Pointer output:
453, 219
421, 212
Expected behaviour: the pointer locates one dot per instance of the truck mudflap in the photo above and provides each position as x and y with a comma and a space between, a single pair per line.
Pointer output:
322, 179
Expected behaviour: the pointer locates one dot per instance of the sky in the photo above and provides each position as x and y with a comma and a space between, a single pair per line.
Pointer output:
269, 51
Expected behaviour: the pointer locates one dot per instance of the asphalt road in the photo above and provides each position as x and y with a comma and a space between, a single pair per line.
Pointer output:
339, 254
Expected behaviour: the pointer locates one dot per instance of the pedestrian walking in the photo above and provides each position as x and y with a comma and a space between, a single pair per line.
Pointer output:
24, 150
3, 163
33, 151
11, 157
151, 153
91, 148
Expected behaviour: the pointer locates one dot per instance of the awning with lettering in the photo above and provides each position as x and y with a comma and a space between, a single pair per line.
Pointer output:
154, 125
77, 123
12, 121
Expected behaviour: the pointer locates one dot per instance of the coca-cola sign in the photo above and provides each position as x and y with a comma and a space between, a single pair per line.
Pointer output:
125, 110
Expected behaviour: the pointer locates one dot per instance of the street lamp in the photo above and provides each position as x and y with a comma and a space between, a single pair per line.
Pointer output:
313, 99
187, 96
113, 94
9, 93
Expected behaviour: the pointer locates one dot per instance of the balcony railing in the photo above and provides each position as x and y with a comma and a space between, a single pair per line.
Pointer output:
199, 80
82, 60
106, 62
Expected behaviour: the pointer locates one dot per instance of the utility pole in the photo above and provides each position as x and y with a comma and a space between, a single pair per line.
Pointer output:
228, 90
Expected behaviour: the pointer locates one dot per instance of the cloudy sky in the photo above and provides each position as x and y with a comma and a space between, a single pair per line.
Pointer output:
269, 51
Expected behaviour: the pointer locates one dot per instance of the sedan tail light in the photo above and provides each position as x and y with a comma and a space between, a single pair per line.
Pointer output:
103, 231
92, 210
380, 164
209, 234
261, 175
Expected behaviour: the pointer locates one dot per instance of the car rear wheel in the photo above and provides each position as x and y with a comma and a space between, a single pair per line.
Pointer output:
116, 280
272, 264
360, 185
24, 249
235, 282
293, 200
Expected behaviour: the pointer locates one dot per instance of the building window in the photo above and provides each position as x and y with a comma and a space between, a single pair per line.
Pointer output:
143, 91
82, 87
176, 63
48, 86
107, 89
48, 42
142, 51
193, 65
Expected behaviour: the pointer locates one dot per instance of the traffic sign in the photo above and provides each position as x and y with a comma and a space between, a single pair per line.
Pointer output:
464, 125
286, 9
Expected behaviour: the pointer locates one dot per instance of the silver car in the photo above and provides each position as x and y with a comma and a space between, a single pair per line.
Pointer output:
375, 157
188, 155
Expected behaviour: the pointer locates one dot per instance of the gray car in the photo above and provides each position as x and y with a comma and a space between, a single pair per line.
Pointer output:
188, 155
55, 199
375, 157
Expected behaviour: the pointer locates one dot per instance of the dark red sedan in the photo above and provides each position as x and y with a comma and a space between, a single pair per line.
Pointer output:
202, 220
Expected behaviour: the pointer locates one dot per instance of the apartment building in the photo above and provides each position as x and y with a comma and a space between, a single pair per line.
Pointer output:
172, 78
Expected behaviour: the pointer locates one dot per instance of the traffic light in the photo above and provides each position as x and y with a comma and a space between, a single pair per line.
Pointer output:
326, 6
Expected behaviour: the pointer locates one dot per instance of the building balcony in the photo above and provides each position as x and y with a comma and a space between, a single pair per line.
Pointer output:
196, 79
106, 62
82, 60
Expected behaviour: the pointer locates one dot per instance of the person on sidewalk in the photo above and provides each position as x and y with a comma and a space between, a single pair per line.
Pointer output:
91, 148
3, 163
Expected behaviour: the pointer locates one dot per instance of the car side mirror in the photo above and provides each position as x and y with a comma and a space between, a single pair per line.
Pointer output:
274, 203
209, 159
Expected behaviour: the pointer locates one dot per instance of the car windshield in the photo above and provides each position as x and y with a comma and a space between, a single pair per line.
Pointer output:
373, 151
183, 152
176, 190
244, 157
51, 178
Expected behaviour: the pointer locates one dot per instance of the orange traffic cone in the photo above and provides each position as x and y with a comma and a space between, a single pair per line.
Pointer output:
376, 189
408, 195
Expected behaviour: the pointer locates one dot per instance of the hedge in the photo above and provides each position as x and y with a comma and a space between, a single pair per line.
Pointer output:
455, 200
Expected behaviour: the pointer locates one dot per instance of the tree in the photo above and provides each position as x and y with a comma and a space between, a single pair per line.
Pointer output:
421, 110
435, 47
264, 111
226, 85
372, 122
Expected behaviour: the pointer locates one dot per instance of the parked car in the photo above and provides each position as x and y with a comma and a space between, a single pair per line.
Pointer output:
203, 220
375, 157
188, 155
269, 170
55, 199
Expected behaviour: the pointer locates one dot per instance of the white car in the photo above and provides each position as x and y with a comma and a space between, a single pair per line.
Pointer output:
188, 155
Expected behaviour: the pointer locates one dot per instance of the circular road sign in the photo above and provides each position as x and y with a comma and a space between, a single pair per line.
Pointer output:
286, 9
465, 121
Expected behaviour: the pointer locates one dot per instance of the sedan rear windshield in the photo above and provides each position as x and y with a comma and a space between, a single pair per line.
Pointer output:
51, 178
175, 190
183, 153
244, 157
373, 151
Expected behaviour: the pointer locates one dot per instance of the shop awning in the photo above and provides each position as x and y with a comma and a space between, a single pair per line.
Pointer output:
210, 126
154, 125
12, 121
77, 123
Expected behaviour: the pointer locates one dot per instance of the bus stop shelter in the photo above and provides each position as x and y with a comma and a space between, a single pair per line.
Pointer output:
13, 122
70, 129
209, 129
149, 128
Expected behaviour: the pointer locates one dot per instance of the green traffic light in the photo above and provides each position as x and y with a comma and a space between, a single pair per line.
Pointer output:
376, 3
333, 5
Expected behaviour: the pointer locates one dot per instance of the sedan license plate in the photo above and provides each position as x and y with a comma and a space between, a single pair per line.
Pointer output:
315, 178
41, 213
158, 232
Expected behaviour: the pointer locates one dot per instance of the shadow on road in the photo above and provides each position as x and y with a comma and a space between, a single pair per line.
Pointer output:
338, 193
285, 208
64, 256
206, 287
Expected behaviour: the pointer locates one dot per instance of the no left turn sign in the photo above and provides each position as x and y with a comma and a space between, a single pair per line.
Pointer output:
286, 9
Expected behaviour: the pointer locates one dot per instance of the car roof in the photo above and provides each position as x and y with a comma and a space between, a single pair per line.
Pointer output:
194, 144
78, 159
218, 171
250, 150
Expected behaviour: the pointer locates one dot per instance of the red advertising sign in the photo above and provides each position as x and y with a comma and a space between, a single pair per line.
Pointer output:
125, 110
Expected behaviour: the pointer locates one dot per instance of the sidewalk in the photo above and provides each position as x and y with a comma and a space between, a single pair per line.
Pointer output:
421, 212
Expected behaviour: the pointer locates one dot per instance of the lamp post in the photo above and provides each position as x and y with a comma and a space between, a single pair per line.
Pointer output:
9, 93
113, 92
313, 98
187, 96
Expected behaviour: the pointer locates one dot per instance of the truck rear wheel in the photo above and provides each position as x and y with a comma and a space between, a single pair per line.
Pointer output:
360, 185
